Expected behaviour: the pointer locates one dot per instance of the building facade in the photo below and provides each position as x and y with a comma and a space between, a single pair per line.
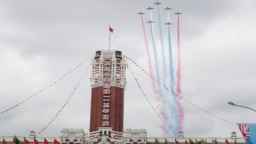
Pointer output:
108, 82
72, 136
129, 136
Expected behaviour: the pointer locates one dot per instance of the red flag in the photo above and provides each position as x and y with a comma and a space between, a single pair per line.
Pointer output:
45, 141
4, 142
226, 142
176, 142
35, 141
111, 29
56, 142
25, 141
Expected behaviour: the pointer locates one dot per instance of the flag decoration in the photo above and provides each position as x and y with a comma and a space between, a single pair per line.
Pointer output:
25, 141
45, 141
176, 142
226, 142
244, 128
248, 131
215, 142
56, 142
111, 29
4, 142
35, 141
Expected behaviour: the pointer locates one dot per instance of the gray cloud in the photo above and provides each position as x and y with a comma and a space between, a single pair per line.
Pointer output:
40, 41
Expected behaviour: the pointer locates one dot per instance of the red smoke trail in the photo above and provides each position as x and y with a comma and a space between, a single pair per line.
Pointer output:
179, 93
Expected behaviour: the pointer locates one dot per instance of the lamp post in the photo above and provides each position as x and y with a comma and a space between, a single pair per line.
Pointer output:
233, 104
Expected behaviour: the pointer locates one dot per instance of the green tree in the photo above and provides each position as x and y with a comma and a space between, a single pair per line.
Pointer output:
196, 142
16, 140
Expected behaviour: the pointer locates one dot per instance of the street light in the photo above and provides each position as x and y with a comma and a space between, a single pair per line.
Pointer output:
233, 104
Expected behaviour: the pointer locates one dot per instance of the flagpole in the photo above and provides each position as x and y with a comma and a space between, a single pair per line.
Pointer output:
109, 40
109, 37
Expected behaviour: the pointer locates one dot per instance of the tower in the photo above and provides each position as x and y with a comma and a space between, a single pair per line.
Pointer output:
108, 82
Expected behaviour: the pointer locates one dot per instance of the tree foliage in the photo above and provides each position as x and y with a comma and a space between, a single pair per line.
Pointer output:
16, 140
196, 142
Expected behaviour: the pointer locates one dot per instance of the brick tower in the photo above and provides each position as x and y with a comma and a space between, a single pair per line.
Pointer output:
108, 81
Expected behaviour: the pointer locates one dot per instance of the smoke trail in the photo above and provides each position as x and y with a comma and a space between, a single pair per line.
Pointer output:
173, 93
153, 84
164, 77
162, 41
178, 89
171, 62
159, 92
167, 106
148, 54
164, 103
154, 52
171, 72
155, 89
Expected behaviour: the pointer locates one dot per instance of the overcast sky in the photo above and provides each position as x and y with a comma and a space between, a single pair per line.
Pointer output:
40, 41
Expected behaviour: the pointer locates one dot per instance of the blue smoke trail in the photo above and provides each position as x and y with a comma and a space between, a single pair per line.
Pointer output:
171, 62
159, 92
154, 52
162, 41
172, 77
164, 103
169, 109
172, 108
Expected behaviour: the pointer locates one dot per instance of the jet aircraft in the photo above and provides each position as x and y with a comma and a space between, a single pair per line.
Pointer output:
178, 13
149, 8
157, 3
168, 23
150, 21
167, 8
140, 13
